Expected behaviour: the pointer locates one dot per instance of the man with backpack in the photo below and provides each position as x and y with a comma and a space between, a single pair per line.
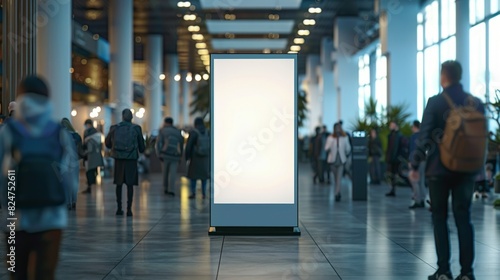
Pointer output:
452, 163
198, 155
39, 167
126, 142
169, 146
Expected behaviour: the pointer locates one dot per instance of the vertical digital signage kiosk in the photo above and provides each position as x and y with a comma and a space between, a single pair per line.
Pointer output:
254, 144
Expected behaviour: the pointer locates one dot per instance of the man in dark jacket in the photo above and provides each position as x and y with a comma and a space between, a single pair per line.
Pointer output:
441, 180
199, 161
169, 146
126, 142
392, 156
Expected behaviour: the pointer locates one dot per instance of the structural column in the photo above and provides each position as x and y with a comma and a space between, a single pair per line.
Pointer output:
462, 35
173, 87
327, 87
18, 45
311, 86
121, 50
54, 59
346, 68
187, 78
153, 55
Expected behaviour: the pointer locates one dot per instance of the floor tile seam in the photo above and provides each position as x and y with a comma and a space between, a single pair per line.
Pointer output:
220, 257
139, 241
393, 241
317, 245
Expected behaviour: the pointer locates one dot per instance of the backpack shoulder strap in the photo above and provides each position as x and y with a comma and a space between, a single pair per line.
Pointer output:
448, 100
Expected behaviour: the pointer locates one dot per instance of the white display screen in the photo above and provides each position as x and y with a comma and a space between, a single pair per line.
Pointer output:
253, 130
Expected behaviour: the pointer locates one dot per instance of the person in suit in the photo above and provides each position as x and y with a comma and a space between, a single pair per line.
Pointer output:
126, 142
338, 148
199, 163
442, 181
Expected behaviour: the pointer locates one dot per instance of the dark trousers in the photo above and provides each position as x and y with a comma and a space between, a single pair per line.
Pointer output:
130, 196
91, 177
461, 188
325, 169
375, 171
36, 255
169, 174
203, 186
392, 174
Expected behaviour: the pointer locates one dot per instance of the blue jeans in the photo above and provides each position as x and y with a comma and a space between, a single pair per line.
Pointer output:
461, 188
203, 186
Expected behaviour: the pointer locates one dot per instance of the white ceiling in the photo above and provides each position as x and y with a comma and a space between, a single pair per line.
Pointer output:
249, 44
250, 4
250, 26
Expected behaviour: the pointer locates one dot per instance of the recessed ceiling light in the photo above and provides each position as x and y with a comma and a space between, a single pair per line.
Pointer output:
295, 48
274, 17
267, 51
184, 4
230, 16
201, 45
193, 28
314, 10
203, 52
303, 32
205, 76
309, 22
197, 77
298, 41
197, 37
189, 17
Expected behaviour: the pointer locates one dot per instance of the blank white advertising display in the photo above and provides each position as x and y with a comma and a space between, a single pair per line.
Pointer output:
254, 136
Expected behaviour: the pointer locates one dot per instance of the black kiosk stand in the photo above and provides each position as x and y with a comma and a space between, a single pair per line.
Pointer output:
359, 165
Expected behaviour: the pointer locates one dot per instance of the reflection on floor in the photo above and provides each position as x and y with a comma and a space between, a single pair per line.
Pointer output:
167, 239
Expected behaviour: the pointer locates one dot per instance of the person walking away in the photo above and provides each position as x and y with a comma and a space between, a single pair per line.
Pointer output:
169, 146
324, 156
452, 164
338, 146
348, 163
316, 149
392, 156
198, 155
92, 144
126, 142
375, 153
45, 162
77, 139
418, 187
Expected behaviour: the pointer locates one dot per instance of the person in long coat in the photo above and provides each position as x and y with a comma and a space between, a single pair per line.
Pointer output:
93, 153
199, 165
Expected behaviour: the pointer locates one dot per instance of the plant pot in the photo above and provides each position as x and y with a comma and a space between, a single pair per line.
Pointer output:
497, 186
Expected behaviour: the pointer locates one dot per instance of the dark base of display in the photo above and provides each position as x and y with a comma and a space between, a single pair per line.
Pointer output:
254, 231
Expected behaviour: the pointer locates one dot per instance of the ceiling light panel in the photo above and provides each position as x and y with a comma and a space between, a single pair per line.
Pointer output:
249, 26
249, 44
250, 4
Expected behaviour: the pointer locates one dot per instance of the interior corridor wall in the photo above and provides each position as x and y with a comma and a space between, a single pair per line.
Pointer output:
328, 94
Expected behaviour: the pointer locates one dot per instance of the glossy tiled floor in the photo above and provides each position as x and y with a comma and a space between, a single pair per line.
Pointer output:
167, 239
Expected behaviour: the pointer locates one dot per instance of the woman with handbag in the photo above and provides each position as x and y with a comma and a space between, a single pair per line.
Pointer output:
338, 147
